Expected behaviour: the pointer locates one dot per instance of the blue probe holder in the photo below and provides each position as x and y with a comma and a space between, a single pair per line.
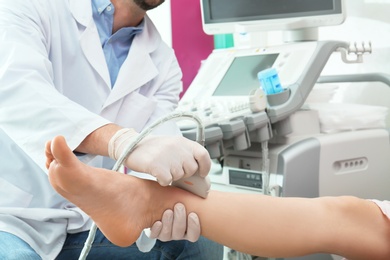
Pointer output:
269, 81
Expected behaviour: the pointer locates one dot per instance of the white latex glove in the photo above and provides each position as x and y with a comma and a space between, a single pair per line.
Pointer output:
168, 158
173, 225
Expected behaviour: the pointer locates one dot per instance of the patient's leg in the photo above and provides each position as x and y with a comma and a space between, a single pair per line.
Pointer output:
121, 205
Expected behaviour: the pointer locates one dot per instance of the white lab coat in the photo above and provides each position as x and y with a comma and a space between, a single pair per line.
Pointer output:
54, 81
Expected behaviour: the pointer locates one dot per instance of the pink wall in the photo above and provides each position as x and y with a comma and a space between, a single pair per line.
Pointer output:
190, 43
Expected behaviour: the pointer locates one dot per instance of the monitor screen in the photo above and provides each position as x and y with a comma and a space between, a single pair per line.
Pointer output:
223, 16
241, 77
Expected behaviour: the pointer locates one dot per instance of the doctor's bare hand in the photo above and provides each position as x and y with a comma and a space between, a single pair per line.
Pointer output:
168, 158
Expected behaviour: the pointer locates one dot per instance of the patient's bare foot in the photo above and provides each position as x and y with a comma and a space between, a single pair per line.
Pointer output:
121, 205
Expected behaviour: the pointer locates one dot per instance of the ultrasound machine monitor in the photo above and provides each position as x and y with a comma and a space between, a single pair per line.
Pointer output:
232, 16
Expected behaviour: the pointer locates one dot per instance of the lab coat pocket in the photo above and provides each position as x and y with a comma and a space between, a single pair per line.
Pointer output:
12, 196
135, 111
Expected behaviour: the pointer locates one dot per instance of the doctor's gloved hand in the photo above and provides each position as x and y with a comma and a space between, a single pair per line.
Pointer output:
168, 158
175, 225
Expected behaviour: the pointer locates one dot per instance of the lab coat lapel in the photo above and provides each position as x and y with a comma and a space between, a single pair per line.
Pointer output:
138, 68
89, 39
81, 11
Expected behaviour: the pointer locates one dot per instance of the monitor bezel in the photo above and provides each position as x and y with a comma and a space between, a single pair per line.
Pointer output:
302, 21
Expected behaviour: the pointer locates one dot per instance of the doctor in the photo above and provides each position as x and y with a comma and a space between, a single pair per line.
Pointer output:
96, 72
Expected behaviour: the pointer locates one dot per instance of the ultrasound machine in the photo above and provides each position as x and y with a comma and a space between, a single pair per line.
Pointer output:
277, 143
